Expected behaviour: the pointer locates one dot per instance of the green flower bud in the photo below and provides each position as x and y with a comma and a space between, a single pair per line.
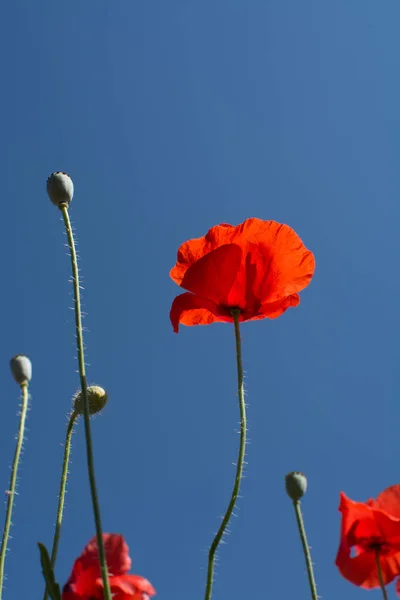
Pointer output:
60, 188
97, 398
21, 368
296, 485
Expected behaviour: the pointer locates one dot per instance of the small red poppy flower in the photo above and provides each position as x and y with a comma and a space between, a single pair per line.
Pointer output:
367, 528
257, 267
85, 581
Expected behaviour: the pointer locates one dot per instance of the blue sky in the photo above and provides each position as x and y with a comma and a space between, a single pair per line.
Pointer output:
172, 116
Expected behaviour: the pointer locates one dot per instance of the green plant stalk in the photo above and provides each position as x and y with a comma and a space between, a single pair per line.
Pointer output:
61, 497
86, 415
240, 462
380, 576
306, 549
13, 481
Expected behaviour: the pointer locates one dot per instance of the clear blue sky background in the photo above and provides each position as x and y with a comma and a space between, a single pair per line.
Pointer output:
172, 116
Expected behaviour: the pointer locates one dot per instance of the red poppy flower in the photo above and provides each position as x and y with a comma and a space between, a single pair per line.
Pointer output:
85, 582
257, 267
368, 527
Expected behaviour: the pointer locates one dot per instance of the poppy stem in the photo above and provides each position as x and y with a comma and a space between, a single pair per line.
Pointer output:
306, 549
61, 497
13, 481
240, 462
86, 415
380, 576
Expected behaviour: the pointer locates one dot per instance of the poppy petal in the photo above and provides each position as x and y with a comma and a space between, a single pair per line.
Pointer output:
361, 522
82, 583
214, 276
131, 584
272, 310
277, 267
389, 501
191, 251
353, 512
117, 554
362, 571
189, 309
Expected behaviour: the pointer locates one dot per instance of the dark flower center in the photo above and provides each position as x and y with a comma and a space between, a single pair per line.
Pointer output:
374, 543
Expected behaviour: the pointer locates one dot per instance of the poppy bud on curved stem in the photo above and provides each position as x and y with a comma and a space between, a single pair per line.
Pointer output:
60, 188
21, 368
296, 485
97, 398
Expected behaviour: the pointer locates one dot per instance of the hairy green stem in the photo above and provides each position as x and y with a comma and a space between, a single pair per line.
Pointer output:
380, 576
306, 549
86, 415
13, 481
240, 462
61, 497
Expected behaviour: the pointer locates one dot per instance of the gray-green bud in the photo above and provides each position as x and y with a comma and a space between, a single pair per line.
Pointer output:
21, 368
296, 485
60, 188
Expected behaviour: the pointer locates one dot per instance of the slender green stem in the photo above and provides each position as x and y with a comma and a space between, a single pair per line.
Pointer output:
379, 568
306, 549
86, 415
13, 481
240, 461
61, 497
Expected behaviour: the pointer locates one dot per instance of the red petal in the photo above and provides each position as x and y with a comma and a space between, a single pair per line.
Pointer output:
86, 569
189, 309
82, 583
362, 521
130, 585
215, 275
361, 570
276, 309
117, 554
191, 251
389, 501
353, 512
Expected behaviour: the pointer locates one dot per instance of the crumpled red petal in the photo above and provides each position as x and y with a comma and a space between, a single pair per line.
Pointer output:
272, 310
189, 309
214, 276
85, 580
130, 585
117, 554
362, 571
389, 501
361, 521
82, 583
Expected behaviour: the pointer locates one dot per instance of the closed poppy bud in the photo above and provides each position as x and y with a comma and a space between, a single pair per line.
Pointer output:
97, 398
21, 368
60, 188
296, 485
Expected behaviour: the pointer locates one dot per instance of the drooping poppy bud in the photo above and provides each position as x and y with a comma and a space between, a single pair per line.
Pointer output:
296, 485
97, 398
21, 368
60, 188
